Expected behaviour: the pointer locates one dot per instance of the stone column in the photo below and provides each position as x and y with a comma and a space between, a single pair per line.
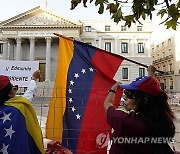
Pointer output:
9, 49
134, 46
100, 42
147, 47
5, 49
48, 58
18, 49
94, 42
32, 45
116, 50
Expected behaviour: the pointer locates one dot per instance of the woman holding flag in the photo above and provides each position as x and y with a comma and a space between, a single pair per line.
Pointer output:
146, 123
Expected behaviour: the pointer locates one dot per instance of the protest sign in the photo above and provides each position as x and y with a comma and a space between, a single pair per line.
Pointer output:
19, 72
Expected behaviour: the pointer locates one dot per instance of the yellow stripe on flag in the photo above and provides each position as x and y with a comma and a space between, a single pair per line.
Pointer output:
32, 124
54, 125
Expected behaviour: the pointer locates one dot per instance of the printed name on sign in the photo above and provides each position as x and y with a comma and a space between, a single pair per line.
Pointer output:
18, 78
20, 68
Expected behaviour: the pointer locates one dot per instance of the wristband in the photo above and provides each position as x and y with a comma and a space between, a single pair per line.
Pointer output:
112, 91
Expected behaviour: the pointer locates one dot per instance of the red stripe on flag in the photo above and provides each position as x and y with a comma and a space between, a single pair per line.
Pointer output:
94, 120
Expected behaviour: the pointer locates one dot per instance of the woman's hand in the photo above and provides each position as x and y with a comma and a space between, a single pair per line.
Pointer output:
110, 97
151, 70
36, 75
115, 86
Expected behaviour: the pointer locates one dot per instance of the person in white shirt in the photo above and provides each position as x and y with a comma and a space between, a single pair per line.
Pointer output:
29, 94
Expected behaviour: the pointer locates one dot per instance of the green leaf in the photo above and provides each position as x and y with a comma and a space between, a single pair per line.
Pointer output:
162, 12
101, 9
178, 4
171, 23
99, 2
143, 15
117, 16
172, 10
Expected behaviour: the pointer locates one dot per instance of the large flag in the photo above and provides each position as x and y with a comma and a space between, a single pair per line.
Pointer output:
76, 115
20, 130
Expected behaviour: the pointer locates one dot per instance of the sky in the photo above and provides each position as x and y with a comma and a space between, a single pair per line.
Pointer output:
11, 8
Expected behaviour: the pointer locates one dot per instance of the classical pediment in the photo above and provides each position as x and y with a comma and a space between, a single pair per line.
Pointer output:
39, 17
42, 19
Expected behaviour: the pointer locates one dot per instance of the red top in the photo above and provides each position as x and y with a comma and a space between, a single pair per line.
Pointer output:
130, 132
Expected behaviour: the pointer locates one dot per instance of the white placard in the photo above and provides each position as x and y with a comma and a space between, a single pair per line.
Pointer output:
19, 72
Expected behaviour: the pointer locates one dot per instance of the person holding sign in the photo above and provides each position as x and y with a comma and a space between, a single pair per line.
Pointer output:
20, 130
29, 94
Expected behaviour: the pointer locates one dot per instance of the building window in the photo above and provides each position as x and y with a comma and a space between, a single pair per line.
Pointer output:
1, 47
163, 45
123, 28
152, 49
124, 73
163, 54
157, 47
88, 28
139, 28
140, 47
170, 51
107, 28
141, 72
124, 47
169, 41
42, 68
171, 84
164, 68
170, 67
164, 83
108, 46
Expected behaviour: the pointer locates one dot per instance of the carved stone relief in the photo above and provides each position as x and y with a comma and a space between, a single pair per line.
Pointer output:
42, 19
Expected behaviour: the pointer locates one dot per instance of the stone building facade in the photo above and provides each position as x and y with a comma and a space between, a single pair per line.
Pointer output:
166, 57
29, 36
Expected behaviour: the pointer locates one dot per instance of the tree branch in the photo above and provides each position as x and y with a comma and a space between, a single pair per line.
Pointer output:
167, 3
165, 20
123, 1
160, 3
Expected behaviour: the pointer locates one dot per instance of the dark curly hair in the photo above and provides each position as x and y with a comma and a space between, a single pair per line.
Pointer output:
4, 94
157, 113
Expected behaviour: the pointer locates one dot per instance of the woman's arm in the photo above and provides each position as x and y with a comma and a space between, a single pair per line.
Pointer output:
29, 94
111, 95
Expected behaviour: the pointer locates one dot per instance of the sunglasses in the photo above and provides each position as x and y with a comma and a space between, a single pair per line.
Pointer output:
15, 87
130, 94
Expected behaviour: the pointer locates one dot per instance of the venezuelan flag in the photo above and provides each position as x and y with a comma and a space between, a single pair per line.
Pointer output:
20, 130
76, 114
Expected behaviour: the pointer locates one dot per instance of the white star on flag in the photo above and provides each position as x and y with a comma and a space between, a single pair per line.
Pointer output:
5, 117
73, 109
78, 116
70, 100
9, 132
72, 82
70, 91
91, 69
76, 75
4, 149
83, 70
